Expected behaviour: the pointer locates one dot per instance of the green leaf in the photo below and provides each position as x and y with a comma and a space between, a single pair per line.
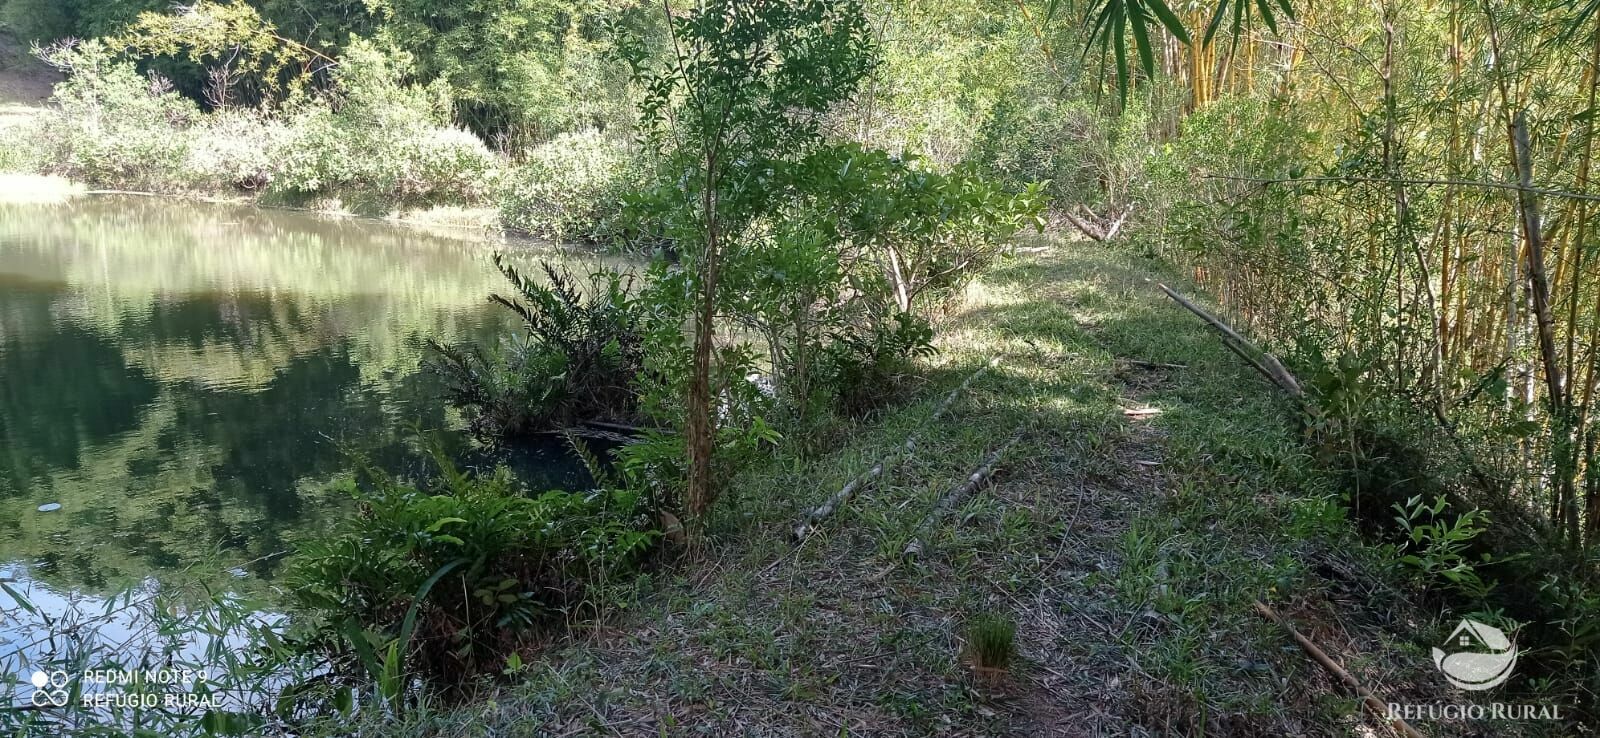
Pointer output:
21, 601
390, 681
363, 647
1141, 41
1216, 21
1169, 20
1118, 28
442, 522
1266, 15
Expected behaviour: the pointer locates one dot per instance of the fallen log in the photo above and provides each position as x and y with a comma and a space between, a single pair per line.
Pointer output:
1374, 705
1263, 362
808, 524
959, 493
1086, 225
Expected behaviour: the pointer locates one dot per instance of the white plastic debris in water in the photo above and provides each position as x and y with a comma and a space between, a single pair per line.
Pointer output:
50, 507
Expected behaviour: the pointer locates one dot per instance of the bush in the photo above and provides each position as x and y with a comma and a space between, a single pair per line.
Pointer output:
568, 189
867, 368
376, 135
446, 164
234, 149
445, 579
373, 136
577, 358
23, 152
112, 127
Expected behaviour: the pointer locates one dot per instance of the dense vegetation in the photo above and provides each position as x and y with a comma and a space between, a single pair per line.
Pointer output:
1394, 197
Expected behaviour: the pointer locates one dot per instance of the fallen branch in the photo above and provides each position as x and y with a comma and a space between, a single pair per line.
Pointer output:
1266, 363
1375, 705
887, 462
1116, 227
1153, 364
618, 427
958, 494
1088, 227
1084, 227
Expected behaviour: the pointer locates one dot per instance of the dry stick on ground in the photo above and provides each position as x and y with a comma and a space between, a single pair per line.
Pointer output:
958, 493
1266, 363
843, 495
1153, 364
1371, 700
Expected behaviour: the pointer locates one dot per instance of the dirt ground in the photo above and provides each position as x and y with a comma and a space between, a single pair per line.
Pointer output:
25, 82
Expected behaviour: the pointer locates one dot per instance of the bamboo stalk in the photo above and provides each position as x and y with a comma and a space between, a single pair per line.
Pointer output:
834, 502
1263, 362
959, 493
1374, 705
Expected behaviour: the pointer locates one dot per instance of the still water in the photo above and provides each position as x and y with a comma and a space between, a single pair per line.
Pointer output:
183, 380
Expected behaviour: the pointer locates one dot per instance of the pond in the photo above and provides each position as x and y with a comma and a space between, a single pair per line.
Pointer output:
179, 382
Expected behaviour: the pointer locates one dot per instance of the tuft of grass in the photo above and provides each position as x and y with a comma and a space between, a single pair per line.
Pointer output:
992, 642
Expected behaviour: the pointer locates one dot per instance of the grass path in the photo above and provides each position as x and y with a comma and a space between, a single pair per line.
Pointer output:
1127, 549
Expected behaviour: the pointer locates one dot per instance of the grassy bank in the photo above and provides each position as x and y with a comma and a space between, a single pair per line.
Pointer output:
1127, 548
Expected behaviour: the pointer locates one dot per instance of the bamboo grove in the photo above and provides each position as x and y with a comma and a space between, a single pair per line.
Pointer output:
1400, 194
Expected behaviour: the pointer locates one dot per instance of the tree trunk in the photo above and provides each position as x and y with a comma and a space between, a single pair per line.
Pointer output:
700, 427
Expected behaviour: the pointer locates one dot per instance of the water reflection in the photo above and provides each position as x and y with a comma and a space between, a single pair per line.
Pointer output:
183, 379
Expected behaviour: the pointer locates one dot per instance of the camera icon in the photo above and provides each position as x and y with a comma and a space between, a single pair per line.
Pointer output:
49, 689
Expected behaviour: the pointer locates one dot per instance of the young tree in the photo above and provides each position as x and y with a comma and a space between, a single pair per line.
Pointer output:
736, 103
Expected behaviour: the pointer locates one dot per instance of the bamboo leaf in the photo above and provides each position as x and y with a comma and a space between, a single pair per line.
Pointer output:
1097, 31
1266, 15
1169, 19
1216, 21
1141, 41
1118, 29
20, 600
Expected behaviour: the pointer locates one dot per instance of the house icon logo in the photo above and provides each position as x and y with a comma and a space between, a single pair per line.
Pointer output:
1482, 659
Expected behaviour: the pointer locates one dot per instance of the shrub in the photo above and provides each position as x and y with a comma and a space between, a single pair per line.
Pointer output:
576, 359
111, 126
1436, 544
567, 189
867, 368
234, 149
912, 232
376, 135
445, 579
446, 164
23, 152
